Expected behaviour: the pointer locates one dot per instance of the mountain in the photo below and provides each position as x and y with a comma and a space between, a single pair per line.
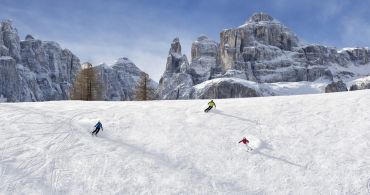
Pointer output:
175, 83
265, 53
34, 70
120, 79
262, 57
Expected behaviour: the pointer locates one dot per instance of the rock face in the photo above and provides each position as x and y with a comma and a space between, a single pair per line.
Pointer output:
262, 50
336, 87
176, 82
10, 40
360, 86
204, 59
120, 79
34, 70
9, 79
359, 56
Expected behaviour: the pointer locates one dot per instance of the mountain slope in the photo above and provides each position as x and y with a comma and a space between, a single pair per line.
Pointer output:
311, 144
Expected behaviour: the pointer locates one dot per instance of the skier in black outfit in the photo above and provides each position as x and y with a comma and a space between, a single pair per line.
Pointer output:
97, 128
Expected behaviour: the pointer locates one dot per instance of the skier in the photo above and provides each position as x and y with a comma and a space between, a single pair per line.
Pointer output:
210, 106
246, 142
97, 128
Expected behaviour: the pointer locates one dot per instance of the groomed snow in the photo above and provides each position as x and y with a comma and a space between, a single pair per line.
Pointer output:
305, 144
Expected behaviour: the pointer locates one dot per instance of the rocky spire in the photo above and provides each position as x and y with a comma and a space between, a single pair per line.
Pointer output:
175, 82
175, 46
175, 60
10, 39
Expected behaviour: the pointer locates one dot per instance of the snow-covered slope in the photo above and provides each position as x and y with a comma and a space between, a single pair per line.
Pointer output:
308, 144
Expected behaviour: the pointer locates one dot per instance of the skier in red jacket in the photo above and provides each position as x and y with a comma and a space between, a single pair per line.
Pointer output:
246, 142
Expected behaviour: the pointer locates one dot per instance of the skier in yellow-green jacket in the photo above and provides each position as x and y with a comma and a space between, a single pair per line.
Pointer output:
210, 106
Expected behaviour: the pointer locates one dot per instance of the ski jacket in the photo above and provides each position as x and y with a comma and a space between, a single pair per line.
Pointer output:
99, 125
244, 140
211, 104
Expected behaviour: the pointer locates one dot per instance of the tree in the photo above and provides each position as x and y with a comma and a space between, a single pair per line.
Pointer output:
86, 86
143, 90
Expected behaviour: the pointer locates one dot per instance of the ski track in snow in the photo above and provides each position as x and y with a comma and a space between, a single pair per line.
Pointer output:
308, 144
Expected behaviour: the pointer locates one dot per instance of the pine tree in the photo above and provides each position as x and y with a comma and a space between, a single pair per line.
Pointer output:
86, 86
143, 89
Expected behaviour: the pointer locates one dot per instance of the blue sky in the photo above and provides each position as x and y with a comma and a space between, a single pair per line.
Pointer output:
142, 30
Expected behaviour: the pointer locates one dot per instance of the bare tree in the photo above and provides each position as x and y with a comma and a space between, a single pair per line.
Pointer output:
86, 86
143, 89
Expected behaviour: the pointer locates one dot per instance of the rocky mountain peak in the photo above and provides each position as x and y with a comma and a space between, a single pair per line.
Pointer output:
175, 46
263, 50
120, 79
10, 39
29, 37
258, 17
34, 70
204, 46
126, 65
202, 38
6, 25
123, 60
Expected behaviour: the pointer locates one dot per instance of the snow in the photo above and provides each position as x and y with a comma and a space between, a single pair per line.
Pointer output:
268, 89
350, 49
304, 144
260, 23
297, 88
244, 82
358, 81
6, 58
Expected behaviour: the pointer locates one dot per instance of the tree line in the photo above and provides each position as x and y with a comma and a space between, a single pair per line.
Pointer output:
88, 87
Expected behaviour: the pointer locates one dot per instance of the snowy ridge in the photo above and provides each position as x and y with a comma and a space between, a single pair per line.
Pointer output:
249, 84
351, 49
307, 144
270, 89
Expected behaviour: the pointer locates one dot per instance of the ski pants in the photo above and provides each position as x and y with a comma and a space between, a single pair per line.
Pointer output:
249, 148
208, 109
96, 131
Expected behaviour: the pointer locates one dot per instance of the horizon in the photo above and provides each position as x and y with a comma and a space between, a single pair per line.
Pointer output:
143, 31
